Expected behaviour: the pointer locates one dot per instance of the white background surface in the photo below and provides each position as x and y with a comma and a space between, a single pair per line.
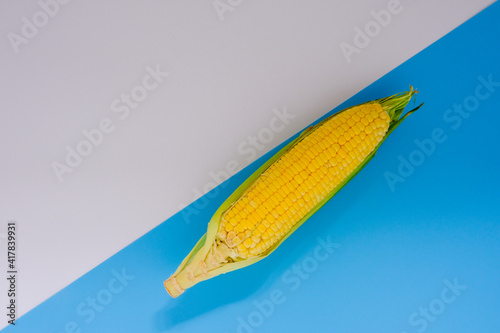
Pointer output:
225, 78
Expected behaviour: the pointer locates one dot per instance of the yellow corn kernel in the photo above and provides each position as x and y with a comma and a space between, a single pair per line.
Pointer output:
334, 150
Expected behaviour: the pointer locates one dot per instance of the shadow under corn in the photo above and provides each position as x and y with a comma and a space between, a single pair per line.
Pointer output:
250, 282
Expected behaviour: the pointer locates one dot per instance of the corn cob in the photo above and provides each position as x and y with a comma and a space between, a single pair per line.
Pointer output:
284, 192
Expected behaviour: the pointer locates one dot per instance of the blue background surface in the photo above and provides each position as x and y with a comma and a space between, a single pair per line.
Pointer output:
398, 248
